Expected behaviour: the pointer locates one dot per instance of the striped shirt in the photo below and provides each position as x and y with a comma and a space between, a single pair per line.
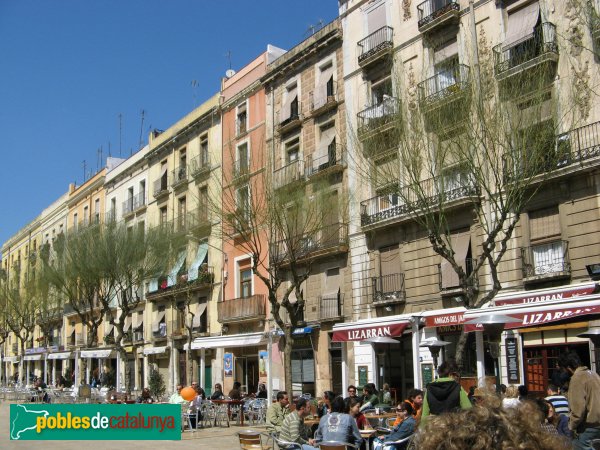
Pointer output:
293, 429
560, 403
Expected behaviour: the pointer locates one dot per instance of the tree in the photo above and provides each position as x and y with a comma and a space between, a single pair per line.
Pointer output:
484, 138
282, 224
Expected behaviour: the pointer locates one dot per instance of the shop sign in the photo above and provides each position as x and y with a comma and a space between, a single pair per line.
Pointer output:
512, 360
35, 350
546, 296
363, 333
445, 319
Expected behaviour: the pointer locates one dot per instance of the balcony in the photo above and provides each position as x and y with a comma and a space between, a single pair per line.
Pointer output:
323, 99
183, 286
409, 200
180, 224
378, 118
328, 240
578, 145
134, 204
179, 177
242, 309
289, 174
161, 333
110, 216
333, 161
536, 56
435, 14
15, 348
241, 168
375, 46
330, 307
549, 260
451, 286
138, 336
290, 120
388, 289
200, 166
198, 221
161, 187
444, 97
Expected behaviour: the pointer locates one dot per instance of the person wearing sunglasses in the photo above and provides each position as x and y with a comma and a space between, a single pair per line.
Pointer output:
218, 392
405, 412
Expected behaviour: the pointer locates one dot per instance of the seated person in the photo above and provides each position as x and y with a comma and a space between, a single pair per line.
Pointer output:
218, 393
262, 391
145, 397
338, 426
235, 393
406, 428
277, 412
176, 397
353, 405
293, 428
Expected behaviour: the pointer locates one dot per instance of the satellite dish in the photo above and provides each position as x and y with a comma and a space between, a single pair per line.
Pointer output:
230, 73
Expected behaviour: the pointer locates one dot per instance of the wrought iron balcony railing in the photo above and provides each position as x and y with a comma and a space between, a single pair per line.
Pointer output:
445, 84
322, 97
430, 10
288, 174
335, 156
330, 238
388, 288
526, 51
110, 216
546, 260
241, 168
291, 117
134, 203
242, 309
330, 306
375, 44
200, 165
198, 218
179, 176
377, 116
410, 199
161, 186
579, 144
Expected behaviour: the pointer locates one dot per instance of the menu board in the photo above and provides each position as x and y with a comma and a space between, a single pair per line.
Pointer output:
426, 373
512, 360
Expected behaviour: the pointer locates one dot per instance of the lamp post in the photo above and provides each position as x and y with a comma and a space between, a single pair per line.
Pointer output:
434, 345
593, 334
493, 325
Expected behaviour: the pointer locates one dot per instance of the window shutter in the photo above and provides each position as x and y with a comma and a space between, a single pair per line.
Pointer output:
521, 24
544, 223
376, 18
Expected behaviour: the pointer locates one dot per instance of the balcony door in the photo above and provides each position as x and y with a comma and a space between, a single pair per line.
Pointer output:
388, 283
245, 282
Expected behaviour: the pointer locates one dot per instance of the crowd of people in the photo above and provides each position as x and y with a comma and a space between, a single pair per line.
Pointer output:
445, 417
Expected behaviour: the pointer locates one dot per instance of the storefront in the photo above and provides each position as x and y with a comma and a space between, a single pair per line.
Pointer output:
57, 365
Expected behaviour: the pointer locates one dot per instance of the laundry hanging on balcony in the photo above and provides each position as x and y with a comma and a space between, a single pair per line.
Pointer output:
198, 261
172, 278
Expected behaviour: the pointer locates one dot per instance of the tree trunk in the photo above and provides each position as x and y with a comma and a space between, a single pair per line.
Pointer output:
287, 360
461, 349
124, 361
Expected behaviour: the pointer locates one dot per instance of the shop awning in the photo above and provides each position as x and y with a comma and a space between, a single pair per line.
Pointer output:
37, 357
11, 359
543, 295
127, 324
444, 317
63, 355
160, 315
362, 330
540, 314
234, 340
155, 350
96, 353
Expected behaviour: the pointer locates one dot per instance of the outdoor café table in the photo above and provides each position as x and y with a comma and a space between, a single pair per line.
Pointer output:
380, 417
309, 422
367, 435
232, 402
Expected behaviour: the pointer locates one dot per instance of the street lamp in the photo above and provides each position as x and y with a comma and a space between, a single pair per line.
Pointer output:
593, 334
434, 345
493, 325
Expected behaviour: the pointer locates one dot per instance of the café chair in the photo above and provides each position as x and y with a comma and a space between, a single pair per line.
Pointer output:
253, 440
285, 445
334, 445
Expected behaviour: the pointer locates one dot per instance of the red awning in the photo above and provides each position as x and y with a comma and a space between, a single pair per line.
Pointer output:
536, 315
443, 320
545, 295
360, 333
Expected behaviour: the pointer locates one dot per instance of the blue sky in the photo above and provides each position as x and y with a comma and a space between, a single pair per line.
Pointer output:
68, 68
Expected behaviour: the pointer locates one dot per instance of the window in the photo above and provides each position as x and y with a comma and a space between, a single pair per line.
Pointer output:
290, 105
245, 282
86, 215
445, 60
204, 150
180, 173
163, 215
142, 194
381, 88
243, 159
163, 175
129, 205
243, 203
292, 150
97, 211
376, 18
460, 242
181, 212
113, 208
242, 119
325, 155
548, 254
75, 221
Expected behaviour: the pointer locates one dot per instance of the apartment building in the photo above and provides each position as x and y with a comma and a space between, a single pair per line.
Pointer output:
406, 60
185, 175
306, 141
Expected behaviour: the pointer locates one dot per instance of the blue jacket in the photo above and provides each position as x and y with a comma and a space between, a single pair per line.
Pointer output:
338, 427
405, 429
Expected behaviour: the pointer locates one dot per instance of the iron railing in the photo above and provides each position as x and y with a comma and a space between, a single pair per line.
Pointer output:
411, 199
335, 156
179, 175
430, 10
538, 43
328, 237
330, 306
200, 165
448, 285
290, 173
110, 216
323, 95
240, 309
161, 186
579, 144
378, 41
198, 217
376, 116
388, 288
134, 203
445, 83
242, 167
295, 109
551, 258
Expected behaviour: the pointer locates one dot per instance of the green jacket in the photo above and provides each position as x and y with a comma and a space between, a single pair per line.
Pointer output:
465, 403
275, 416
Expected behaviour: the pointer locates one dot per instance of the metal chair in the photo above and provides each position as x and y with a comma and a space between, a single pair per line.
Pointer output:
187, 414
334, 445
400, 443
285, 445
253, 440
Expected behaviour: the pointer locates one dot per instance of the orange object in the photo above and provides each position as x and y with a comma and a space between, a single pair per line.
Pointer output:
188, 393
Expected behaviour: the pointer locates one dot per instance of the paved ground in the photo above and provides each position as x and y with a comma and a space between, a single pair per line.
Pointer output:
210, 438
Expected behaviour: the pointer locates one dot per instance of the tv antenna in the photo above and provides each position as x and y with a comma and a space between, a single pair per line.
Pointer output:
194, 84
141, 129
120, 133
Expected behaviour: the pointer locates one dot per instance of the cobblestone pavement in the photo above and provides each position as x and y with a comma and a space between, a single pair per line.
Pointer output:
218, 438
